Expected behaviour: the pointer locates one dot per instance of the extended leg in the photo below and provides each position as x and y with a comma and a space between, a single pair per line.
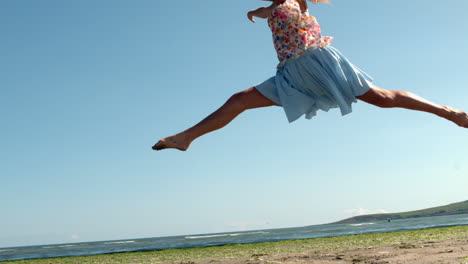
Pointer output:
238, 103
385, 98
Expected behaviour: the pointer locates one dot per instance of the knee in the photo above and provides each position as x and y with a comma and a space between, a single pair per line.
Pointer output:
238, 101
387, 99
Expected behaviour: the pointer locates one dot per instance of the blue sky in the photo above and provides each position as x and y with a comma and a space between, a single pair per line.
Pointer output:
89, 86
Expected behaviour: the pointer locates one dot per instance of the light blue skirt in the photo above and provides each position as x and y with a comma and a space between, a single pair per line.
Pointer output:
322, 78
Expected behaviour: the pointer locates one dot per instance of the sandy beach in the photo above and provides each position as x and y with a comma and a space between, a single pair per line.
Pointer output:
448, 251
432, 245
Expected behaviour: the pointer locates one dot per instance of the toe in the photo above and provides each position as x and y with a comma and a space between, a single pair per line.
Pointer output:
158, 146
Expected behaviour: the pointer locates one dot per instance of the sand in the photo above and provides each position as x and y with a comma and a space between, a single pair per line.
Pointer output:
448, 251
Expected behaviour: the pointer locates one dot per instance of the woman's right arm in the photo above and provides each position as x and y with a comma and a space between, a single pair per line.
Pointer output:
262, 12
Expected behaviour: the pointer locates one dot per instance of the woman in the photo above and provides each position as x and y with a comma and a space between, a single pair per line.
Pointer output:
311, 76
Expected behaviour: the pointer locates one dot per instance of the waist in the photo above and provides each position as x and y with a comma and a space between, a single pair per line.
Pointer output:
287, 52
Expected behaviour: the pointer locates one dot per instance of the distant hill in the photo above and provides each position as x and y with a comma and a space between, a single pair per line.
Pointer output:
451, 209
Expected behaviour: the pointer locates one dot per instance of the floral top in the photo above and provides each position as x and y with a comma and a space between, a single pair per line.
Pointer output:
294, 31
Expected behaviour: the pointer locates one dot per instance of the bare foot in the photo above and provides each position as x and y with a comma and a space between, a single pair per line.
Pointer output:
177, 141
457, 116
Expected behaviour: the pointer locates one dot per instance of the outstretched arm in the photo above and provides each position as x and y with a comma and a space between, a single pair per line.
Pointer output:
262, 12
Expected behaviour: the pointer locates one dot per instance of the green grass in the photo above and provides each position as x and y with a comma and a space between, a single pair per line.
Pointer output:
244, 251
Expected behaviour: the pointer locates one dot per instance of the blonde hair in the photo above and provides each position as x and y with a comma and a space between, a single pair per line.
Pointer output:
304, 6
322, 1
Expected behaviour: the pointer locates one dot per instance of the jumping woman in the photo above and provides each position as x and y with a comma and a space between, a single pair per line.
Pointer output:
312, 75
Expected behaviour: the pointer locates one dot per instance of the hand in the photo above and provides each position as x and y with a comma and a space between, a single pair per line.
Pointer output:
250, 16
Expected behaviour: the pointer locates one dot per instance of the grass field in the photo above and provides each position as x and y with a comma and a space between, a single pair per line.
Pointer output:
401, 240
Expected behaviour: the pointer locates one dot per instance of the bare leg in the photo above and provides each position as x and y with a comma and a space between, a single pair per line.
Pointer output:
238, 103
385, 98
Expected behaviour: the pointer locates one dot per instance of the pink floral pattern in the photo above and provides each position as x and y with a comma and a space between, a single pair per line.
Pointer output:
294, 31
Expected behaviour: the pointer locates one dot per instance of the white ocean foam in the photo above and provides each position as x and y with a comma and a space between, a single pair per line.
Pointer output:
7, 250
259, 232
120, 242
224, 235
64, 246
362, 224
195, 237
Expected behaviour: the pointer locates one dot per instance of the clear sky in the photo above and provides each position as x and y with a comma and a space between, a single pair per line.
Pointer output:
87, 87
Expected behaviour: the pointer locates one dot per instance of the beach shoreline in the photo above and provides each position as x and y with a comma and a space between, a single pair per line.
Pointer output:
431, 245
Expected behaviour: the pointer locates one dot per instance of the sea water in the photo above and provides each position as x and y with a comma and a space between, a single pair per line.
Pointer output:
204, 240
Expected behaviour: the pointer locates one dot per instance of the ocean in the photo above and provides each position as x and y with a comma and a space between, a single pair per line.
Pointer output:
204, 240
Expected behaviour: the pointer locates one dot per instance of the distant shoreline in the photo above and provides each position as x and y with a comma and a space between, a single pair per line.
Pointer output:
387, 217
450, 209
426, 244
